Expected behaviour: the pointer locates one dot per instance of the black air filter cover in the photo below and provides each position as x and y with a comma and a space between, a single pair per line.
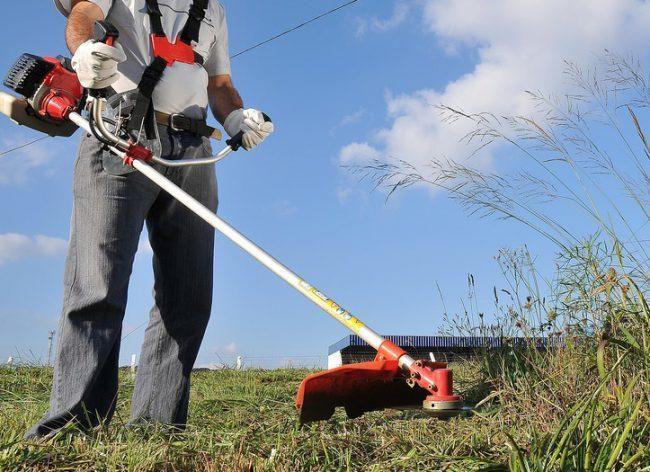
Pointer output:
27, 74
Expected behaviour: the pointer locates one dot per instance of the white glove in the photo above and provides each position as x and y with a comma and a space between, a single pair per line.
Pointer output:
253, 125
96, 64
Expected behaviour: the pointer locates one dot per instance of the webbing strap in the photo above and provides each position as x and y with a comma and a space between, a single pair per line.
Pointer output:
150, 78
155, 17
193, 26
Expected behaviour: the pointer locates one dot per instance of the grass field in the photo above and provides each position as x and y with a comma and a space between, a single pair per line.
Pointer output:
242, 420
246, 420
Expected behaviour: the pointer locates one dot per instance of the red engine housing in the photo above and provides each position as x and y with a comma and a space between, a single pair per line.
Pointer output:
60, 93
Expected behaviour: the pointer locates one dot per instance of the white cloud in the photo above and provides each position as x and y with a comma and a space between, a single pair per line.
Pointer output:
15, 247
50, 246
145, 251
230, 348
350, 119
18, 166
284, 208
357, 153
400, 13
345, 194
353, 117
144, 247
521, 45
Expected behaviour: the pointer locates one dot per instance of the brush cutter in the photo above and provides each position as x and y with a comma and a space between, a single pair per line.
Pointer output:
53, 102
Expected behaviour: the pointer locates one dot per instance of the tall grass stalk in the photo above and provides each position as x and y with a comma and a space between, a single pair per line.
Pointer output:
581, 180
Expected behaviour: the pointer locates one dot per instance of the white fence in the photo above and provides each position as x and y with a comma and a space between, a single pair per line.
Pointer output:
230, 361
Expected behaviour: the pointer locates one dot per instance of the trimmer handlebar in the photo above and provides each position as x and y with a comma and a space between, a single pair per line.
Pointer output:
98, 127
105, 32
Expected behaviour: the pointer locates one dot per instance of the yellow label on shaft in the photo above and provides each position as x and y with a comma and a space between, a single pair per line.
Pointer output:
331, 307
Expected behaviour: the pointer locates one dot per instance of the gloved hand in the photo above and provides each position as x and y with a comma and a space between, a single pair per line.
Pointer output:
252, 123
96, 64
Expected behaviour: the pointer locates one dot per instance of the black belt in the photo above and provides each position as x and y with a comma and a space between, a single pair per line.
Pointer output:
178, 122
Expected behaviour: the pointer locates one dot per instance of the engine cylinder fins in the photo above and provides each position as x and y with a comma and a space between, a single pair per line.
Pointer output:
27, 74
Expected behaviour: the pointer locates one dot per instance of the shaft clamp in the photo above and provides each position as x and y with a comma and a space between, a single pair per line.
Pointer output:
136, 152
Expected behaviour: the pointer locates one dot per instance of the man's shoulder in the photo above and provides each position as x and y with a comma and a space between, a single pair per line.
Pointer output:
216, 11
216, 5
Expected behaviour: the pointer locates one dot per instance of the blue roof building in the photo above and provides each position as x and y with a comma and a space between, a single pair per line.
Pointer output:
353, 349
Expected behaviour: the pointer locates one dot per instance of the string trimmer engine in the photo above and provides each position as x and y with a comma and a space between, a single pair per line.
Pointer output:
51, 90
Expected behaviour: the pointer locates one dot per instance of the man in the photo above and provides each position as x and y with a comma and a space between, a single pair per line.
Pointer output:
163, 97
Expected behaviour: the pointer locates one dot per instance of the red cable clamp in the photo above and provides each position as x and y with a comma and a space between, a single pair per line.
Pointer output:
137, 152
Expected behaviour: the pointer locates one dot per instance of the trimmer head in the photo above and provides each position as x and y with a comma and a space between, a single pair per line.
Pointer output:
364, 387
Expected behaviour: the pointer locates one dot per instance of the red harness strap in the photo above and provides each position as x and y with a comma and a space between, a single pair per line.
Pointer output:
172, 52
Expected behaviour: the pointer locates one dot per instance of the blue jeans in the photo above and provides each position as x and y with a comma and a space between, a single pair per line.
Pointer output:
111, 204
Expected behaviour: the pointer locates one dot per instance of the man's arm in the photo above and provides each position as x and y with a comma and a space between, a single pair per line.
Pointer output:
81, 20
228, 108
225, 102
224, 98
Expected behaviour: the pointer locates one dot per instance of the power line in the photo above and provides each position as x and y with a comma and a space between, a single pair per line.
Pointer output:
134, 330
7, 151
255, 46
291, 30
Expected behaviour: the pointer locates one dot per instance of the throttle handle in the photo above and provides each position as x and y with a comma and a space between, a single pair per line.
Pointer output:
106, 33
237, 140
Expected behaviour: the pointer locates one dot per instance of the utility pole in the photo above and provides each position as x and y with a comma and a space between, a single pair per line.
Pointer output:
50, 339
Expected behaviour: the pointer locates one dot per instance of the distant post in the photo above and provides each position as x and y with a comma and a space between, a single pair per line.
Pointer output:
50, 341
133, 364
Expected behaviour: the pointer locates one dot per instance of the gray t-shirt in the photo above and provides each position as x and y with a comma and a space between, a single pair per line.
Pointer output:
183, 87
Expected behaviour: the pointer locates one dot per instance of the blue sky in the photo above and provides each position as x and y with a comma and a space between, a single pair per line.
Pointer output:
354, 86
